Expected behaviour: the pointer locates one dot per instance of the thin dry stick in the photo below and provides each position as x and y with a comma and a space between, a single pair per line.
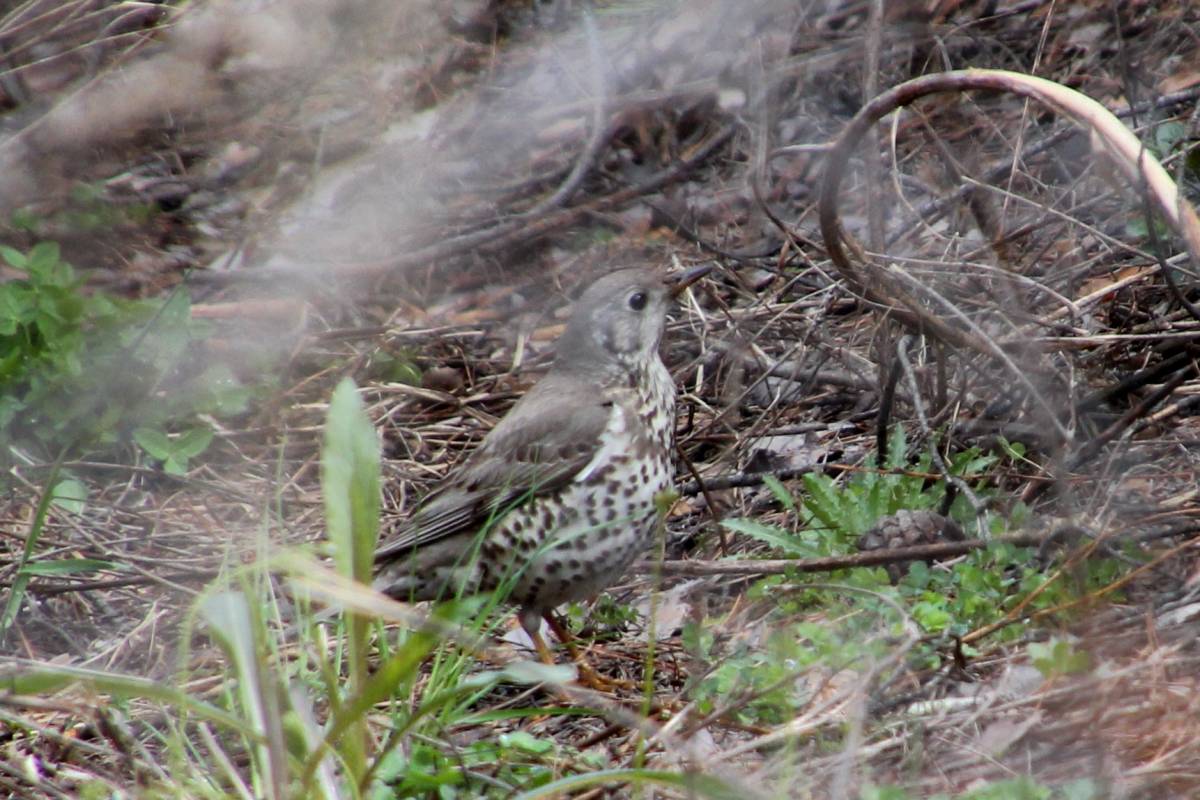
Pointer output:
887, 286
874, 558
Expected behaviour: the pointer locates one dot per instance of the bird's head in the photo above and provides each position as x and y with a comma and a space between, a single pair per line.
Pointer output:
618, 321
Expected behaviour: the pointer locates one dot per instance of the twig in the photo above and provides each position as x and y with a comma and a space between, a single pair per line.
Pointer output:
781, 566
923, 552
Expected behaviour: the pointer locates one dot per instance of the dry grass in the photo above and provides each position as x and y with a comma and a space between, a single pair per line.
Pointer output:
779, 364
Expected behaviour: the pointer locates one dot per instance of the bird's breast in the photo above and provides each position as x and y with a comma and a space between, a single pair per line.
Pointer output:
606, 516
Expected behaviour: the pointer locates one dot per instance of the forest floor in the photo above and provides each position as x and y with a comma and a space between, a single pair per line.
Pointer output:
247, 206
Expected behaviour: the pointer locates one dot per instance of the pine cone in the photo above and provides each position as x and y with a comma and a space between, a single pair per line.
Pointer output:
908, 528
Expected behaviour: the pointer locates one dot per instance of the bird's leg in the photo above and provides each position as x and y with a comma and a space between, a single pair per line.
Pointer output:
587, 676
531, 621
539, 644
562, 634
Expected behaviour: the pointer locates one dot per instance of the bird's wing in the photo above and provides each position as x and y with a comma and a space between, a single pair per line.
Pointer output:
540, 445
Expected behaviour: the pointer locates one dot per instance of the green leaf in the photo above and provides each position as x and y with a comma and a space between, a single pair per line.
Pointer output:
175, 466
154, 442
350, 482
24, 219
775, 537
70, 495
531, 673
42, 679
236, 627
12, 312
780, 491
16, 590
521, 740
350, 485
1014, 450
932, 616
897, 454
68, 566
14, 257
220, 392
176, 312
870, 792
193, 442
824, 501
46, 266
348, 720
691, 783
1082, 789
1058, 657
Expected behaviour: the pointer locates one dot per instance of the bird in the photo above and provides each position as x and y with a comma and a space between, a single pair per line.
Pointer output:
560, 496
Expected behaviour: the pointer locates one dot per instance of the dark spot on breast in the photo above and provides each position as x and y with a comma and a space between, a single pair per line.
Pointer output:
574, 564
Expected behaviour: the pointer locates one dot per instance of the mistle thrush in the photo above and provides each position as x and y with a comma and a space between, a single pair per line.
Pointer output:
559, 498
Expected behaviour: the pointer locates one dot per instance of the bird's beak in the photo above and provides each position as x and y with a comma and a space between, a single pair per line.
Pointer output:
676, 284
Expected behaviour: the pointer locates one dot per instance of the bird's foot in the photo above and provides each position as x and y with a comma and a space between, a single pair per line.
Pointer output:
593, 680
586, 677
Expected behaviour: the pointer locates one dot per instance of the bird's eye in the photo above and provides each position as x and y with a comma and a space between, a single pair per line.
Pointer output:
637, 301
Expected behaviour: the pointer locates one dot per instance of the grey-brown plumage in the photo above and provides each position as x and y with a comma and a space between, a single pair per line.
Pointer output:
560, 497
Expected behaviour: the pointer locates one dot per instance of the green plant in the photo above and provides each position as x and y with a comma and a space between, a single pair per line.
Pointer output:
87, 208
764, 684
849, 510
395, 367
832, 516
174, 451
265, 710
1058, 657
80, 370
858, 606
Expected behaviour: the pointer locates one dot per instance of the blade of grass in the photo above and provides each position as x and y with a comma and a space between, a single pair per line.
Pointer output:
16, 593
233, 625
42, 679
702, 785
350, 485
